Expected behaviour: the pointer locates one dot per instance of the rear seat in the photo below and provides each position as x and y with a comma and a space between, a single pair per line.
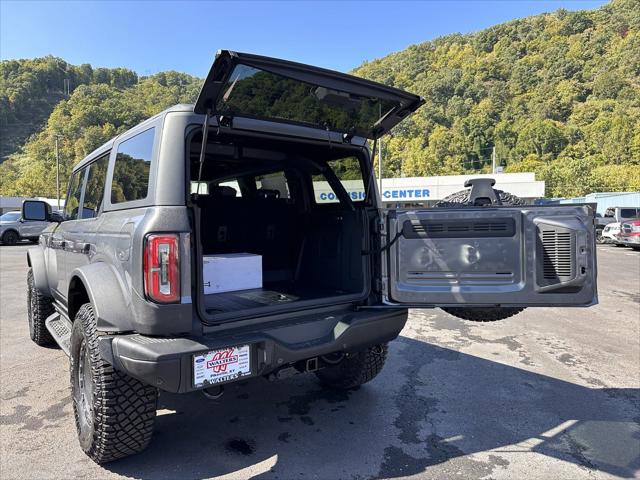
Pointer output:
267, 225
223, 215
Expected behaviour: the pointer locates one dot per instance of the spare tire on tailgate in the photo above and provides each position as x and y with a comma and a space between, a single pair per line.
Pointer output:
463, 199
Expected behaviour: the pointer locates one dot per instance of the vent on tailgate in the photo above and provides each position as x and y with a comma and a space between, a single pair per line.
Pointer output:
558, 254
460, 228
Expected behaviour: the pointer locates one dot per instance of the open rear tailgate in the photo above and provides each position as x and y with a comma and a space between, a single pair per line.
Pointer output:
508, 256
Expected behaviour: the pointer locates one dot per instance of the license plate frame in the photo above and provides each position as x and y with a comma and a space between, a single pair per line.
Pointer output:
222, 365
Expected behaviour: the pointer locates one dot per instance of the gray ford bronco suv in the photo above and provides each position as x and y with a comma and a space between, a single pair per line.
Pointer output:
273, 161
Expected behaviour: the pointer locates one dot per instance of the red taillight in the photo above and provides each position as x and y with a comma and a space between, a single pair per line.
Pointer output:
162, 268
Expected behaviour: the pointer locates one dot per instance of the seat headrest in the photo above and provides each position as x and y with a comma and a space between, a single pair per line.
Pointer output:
266, 193
222, 191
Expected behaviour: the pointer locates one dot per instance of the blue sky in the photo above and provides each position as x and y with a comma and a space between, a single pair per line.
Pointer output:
165, 35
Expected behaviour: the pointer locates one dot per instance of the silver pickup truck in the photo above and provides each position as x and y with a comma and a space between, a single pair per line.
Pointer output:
120, 286
14, 228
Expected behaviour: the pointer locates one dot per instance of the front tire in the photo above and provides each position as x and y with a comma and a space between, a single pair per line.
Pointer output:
355, 369
39, 307
114, 412
10, 237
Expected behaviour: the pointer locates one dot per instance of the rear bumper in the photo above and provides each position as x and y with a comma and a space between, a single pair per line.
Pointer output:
167, 363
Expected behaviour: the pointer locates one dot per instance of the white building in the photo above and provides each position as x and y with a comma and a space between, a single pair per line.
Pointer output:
427, 191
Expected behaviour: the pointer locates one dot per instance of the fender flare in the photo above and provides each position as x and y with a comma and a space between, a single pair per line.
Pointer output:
111, 305
35, 259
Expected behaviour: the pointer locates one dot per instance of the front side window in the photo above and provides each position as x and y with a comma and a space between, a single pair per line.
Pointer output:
94, 191
72, 203
131, 169
349, 173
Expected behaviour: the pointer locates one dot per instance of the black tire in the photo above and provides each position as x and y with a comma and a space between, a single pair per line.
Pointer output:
355, 369
600, 240
480, 314
462, 197
10, 237
39, 307
486, 314
620, 245
114, 412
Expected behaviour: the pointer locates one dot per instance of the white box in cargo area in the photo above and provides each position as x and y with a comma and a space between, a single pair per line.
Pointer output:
228, 272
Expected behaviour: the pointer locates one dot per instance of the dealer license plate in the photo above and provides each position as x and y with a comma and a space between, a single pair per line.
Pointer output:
224, 365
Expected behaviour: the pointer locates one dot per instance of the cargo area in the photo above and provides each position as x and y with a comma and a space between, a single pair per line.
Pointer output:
266, 199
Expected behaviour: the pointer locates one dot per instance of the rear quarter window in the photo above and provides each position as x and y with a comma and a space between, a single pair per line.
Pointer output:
132, 167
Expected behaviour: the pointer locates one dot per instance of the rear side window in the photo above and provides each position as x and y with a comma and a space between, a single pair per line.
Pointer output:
131, 169
94, 191
349, 173
72, 203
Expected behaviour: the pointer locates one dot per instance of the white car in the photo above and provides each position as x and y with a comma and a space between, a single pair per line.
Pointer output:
610, 233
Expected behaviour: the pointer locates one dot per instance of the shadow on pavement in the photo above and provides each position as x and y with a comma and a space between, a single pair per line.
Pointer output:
429, 405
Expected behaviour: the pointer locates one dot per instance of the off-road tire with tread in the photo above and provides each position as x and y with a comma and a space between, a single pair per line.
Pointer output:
123, 409
484, 314
39, 307
480, 314
10, 237
462, 197
355, 369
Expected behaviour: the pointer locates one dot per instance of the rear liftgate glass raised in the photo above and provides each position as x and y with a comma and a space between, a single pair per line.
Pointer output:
509, 256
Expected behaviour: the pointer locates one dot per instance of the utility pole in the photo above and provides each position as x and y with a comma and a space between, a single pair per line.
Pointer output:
493, 160
57, 172
380, 166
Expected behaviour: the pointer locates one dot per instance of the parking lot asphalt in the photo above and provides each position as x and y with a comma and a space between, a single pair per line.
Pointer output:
549, 393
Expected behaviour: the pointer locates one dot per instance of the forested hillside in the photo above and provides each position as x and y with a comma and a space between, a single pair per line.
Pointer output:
30, 89
102, 104
558, 94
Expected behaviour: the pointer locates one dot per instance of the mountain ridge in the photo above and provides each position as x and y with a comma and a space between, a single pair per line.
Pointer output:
556, 93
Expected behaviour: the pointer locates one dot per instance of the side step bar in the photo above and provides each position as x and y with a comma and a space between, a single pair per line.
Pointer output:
60, 329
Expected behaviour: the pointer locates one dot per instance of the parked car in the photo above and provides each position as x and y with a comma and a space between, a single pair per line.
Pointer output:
610, 233
120, 284
614, 215
13, 228
630, 234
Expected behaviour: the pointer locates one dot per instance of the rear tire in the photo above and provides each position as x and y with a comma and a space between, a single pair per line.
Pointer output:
39, 307
10, 237
355, 369
480, 314
114, 412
